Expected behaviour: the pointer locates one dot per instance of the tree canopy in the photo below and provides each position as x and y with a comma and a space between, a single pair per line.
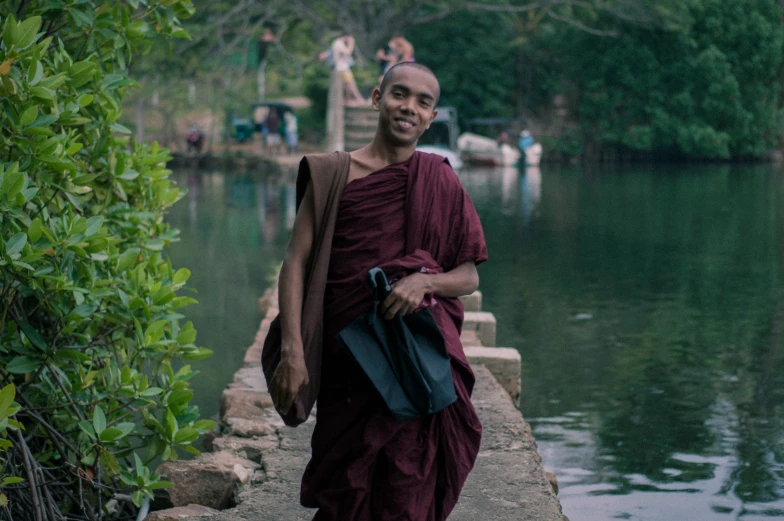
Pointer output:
692, 78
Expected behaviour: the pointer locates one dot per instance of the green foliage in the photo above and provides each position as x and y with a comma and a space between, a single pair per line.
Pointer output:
473, 60
709, 89
90, 328
8, 408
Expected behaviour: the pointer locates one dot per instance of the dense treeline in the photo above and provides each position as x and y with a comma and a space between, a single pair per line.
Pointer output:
691, 79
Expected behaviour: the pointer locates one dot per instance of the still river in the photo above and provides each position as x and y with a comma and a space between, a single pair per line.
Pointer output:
647, 304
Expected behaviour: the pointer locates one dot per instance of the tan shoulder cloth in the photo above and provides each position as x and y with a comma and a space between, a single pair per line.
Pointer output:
328, 173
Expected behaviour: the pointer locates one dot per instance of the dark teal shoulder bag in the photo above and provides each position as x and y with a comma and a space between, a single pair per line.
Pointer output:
405, 358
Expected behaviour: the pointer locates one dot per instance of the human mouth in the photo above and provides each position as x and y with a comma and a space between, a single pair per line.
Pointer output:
405, 123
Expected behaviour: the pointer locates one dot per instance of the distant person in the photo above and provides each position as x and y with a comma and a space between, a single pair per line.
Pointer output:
502, 139
195, 138
532, 151
292, 139
526, 140
404, 50
342, 51
386, 58
273, 130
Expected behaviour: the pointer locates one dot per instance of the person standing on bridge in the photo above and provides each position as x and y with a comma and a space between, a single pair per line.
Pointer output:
385, 205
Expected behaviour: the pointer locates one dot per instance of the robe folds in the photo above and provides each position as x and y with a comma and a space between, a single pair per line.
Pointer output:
366, 465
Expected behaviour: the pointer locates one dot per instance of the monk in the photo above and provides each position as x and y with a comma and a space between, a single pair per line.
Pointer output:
406, 212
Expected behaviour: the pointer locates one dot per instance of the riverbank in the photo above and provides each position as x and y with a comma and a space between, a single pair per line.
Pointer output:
254, 463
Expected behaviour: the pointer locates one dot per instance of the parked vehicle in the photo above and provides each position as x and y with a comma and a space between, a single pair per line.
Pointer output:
243, 127
441, 137
481, 150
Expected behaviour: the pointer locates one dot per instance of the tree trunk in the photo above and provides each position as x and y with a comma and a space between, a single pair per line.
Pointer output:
261, 79
140, 120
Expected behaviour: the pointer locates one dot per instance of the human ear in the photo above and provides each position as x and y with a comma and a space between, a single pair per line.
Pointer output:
432, 117
376, 97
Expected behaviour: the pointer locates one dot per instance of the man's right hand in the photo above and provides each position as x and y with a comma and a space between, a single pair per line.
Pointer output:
290, 375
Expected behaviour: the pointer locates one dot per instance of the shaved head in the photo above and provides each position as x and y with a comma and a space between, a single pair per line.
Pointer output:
389, 75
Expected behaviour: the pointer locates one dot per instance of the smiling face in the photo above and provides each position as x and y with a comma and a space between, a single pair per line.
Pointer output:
406, 106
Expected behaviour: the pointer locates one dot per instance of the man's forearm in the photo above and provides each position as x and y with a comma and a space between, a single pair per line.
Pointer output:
291, 288
463, 280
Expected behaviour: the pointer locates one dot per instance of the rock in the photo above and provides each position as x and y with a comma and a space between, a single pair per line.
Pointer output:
553, 479
249, 448
242, 473
270, 297
239, 403
253, 354
245, 428
209, 481
180, 513
251, 378
208, 438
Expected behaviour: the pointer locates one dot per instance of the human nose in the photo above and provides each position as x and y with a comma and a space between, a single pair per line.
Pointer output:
408, 105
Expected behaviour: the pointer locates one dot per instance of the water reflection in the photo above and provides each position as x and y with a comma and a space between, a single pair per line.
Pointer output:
664, 402
233, 229
675, 383
530, 192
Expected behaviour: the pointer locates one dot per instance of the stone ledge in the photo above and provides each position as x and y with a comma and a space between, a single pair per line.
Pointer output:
507, 483
472, 302
181, 513
252, 449
210, 480
502, 362
483, 323
253, 354
244, 403
469, 338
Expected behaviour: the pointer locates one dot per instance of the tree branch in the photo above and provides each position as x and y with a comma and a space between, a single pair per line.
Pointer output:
579, 25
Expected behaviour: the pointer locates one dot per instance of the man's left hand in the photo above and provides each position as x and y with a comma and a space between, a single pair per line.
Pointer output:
406, 295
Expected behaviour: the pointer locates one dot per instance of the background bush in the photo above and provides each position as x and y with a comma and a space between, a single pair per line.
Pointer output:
90, 332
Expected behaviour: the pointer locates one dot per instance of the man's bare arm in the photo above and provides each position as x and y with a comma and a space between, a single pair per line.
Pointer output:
292, 373
408, 292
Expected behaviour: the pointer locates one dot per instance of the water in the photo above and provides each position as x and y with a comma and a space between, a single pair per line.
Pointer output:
647, 304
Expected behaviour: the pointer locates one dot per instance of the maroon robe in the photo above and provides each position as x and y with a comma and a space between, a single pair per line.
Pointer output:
366, 465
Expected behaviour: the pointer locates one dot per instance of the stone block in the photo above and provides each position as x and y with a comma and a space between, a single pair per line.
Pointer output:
248, 448
469, 338
502, 362
253, 354
240, 403
270, 299
209, 481
181, 513
472, 302
553, 480
250, 378
483, 323
246, 428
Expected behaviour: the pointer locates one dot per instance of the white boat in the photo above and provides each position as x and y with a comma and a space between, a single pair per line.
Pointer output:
533, 154
451, 155
483, 150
